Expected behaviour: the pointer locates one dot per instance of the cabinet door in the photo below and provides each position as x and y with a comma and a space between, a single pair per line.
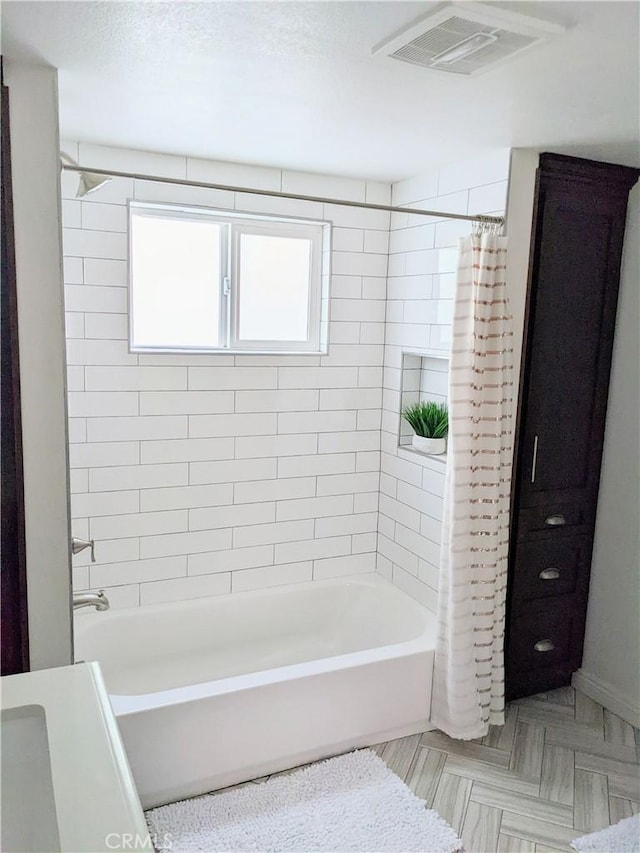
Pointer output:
572, 316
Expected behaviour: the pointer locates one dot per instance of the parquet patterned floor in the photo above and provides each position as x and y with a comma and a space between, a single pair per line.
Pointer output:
561, 767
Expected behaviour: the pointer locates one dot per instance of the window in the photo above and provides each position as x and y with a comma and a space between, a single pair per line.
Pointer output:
205, 281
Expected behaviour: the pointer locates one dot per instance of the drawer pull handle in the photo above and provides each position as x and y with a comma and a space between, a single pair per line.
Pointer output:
544, 646
549, 574
555, 520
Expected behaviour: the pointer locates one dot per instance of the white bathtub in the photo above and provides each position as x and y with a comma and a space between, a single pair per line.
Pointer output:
215, 691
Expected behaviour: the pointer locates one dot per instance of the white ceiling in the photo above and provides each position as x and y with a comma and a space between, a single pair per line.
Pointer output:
293, 84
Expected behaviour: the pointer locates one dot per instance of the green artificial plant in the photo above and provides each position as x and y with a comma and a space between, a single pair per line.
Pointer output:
428, 419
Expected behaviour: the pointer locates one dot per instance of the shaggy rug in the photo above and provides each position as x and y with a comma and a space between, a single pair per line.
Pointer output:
622, 837
349, 803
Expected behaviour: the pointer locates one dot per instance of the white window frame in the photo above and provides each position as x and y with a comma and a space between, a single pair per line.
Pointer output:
313, 233
234, 225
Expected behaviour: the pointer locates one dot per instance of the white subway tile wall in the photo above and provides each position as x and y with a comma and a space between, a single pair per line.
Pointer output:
420, 291
211, 474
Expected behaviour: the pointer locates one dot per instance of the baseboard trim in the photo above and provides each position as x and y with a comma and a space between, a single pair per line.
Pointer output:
607, 695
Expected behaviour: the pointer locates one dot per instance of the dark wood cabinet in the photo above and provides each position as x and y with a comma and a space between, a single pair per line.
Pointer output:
578, 230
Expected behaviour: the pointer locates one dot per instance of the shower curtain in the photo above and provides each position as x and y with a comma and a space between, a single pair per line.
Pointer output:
468, 693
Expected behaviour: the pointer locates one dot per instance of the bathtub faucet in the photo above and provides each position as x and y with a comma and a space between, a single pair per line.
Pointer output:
91, 599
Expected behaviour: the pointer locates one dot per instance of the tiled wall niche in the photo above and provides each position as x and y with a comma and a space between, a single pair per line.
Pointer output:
422, 377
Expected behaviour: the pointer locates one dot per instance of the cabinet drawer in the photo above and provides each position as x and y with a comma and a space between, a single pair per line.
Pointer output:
548, 567
541, 640
551, 518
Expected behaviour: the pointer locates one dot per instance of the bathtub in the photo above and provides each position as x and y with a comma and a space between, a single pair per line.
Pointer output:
215, 691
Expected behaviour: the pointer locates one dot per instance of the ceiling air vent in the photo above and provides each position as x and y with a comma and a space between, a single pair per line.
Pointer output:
466, 38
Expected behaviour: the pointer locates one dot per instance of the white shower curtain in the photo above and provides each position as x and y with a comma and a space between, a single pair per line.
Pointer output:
468, 693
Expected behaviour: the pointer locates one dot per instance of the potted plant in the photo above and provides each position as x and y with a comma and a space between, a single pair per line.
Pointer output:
430, 422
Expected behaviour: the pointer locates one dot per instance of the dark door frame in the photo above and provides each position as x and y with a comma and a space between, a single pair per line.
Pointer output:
14, 629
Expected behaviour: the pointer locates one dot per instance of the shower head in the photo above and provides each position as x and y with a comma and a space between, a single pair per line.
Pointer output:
89, 181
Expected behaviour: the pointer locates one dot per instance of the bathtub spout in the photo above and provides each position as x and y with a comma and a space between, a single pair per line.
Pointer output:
91, 599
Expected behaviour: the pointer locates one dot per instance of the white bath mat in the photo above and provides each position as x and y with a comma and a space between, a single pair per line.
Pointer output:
349, 803
623, 837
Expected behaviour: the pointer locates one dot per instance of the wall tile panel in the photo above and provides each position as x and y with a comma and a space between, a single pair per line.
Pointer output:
420, 291
279, 461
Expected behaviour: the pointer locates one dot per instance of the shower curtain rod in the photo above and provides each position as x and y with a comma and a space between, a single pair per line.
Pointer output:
498, 220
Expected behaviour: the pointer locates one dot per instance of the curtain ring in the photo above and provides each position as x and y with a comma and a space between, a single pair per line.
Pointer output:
486, 225
480, 225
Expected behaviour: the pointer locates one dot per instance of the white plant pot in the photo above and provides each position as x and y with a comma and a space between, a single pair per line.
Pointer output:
433, 446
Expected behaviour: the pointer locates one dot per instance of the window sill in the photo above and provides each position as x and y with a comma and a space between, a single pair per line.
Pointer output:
187, 352
435, 462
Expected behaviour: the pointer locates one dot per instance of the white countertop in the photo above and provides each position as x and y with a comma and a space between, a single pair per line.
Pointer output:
96, 803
